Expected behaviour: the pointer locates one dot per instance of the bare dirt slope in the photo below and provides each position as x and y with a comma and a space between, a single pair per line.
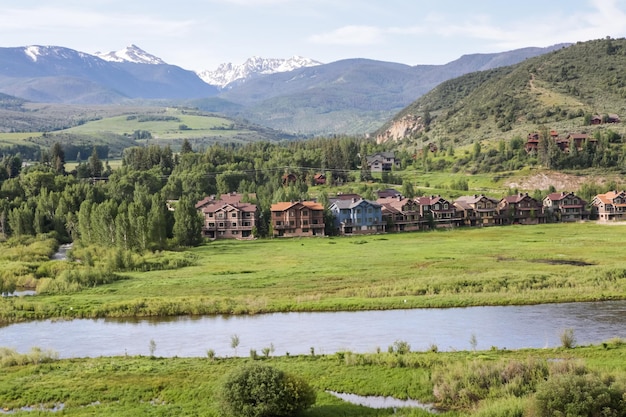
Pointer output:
559, 180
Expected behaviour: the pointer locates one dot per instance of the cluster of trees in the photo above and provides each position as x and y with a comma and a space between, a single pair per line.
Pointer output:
130, 208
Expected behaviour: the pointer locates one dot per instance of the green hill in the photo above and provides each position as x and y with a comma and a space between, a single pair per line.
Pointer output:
558, 90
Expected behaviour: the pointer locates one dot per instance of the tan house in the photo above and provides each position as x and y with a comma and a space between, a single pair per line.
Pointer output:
610, 206
400, 214
477, 210
227, 217
565, 207
521, 209
301, 218
382, 162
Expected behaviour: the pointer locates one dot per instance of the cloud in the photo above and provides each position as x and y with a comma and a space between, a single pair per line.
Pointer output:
350, 36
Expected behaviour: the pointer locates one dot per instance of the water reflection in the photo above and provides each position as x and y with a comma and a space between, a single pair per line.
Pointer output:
511, 327
373, 401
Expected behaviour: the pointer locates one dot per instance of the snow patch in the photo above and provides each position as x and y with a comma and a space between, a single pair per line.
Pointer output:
228, 73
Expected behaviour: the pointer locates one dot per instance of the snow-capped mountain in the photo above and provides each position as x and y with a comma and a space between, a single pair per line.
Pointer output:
228, 73
133, 54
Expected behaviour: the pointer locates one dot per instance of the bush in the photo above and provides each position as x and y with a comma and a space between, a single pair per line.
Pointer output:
257, 390
579, 395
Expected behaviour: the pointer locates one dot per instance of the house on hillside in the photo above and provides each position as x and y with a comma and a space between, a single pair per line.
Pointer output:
357, 216
565, 207
382, 162
319, 179
436, 212
477, 210
228, 218
610, 206
578, 140
400, 214
521, 209
295, 219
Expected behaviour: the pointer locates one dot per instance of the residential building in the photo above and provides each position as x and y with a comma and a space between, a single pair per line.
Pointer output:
521, 209
382, 162
400, 214
610, 206
477, 210
300, 218
437, 212
565, 207
357, 216
227, 217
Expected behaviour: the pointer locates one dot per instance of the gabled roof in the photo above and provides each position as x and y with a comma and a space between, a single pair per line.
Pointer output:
230, 198
396, 202
516, 198
473, 199
609, 197
350, 204
287, 205
430, 200
245, 207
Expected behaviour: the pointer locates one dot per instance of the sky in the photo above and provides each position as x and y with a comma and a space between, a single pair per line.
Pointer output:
201, 34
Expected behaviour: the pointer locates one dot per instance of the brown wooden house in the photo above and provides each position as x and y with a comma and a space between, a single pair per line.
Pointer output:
301, 218
521, 209
477, 210
565, 207
400, 214
436, 211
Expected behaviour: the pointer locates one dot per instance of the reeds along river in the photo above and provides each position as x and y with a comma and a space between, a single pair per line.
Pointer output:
481, 328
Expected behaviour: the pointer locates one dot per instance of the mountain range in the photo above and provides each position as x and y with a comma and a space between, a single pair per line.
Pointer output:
296, 95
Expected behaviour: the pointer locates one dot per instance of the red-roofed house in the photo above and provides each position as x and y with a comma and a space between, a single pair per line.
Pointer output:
610, 206
228, 218
300, 218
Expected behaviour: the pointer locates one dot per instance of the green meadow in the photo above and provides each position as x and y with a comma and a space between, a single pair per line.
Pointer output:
482, 383
446, 268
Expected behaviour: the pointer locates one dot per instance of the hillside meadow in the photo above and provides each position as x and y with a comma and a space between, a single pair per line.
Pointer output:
449, 268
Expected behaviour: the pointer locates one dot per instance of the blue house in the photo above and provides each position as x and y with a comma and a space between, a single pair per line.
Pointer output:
357, 216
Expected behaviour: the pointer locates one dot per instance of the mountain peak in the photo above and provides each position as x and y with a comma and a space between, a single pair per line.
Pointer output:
254, 66
131, 53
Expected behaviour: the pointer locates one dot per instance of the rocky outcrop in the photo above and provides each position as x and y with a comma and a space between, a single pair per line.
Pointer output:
402, 128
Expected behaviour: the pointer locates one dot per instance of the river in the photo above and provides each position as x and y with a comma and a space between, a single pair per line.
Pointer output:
511, 327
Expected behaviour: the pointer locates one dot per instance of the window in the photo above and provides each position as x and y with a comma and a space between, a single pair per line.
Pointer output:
445, 206
234, 214
436, 206
234, 224
235, 232
305, 212
211, 224
305, 222
210, 214
221, 225
369, 210
279, 223
291, 213
305, 230
220, 215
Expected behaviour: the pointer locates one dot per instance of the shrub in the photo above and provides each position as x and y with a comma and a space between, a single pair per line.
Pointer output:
568, 340
257, 390
579, 395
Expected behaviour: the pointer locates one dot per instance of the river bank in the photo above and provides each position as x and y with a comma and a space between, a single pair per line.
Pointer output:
151, 385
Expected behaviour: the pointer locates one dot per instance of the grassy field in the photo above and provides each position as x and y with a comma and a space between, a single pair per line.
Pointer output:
461, 267
131, 386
